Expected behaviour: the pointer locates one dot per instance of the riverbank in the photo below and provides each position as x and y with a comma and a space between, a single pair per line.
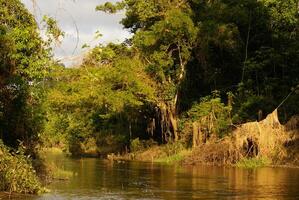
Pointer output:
267, 141
250, 145
195, 157
20, 174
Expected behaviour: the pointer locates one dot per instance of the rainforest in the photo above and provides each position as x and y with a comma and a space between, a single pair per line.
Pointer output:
199, 83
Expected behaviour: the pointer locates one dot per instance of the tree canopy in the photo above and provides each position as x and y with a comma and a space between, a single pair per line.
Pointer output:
187, 60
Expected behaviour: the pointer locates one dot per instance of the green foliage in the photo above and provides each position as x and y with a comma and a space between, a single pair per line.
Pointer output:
52, 30
174, 158
252, 163
283, 13
167, 44
28, 56
179, 53
136, 145
110, 8
24, 62
247, 48
173, 148
103, 55
16, 173
175, 152
166, 33
250, 108
61, 174
140, 145
211, 112
105, 99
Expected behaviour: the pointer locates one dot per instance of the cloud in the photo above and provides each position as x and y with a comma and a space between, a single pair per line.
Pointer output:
73, 15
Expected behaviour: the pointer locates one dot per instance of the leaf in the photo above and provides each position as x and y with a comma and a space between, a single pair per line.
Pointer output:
85, 46
98, 35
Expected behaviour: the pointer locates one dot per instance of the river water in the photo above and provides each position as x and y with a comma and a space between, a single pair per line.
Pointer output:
98, 179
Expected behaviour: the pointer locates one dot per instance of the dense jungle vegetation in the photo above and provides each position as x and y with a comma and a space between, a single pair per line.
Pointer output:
191, 64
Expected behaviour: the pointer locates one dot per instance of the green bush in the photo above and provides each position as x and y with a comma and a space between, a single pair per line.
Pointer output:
175, 158
140, 145
210, 110
16, 173
173, 148
136, 145
251, 163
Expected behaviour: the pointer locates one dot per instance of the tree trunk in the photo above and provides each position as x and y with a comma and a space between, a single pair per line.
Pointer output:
197, 135
174, 123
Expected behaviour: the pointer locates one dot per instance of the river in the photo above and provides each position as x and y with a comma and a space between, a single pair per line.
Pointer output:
99, 179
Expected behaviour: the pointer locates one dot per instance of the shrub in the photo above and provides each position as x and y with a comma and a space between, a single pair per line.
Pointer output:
175, 158
16, 173
212, 114
140, 145
175, 152
173, 148
136, 145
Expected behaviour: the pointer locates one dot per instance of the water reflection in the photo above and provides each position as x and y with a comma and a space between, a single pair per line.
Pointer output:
98, 179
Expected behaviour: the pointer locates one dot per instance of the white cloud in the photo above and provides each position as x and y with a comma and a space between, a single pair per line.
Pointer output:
79, 14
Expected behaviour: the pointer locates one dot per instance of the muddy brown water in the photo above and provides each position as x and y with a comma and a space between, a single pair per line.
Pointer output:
98, 179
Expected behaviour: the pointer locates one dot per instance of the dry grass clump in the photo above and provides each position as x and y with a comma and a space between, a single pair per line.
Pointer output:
265, 139
216, 153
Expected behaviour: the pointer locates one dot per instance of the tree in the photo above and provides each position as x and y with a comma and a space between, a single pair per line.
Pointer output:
107, 100
23, 65
191, 48
165, 34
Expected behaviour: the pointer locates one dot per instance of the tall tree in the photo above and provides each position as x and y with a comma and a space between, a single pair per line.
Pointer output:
165, 34
23, 64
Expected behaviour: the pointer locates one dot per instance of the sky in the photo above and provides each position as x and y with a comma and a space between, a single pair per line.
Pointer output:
79, 20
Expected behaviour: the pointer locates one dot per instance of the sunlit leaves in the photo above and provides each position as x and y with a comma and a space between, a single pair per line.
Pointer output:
283, 13
53, 31
100, 98
110, 8
24, 62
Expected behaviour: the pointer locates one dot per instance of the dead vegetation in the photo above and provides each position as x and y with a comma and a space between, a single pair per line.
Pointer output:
265, 139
